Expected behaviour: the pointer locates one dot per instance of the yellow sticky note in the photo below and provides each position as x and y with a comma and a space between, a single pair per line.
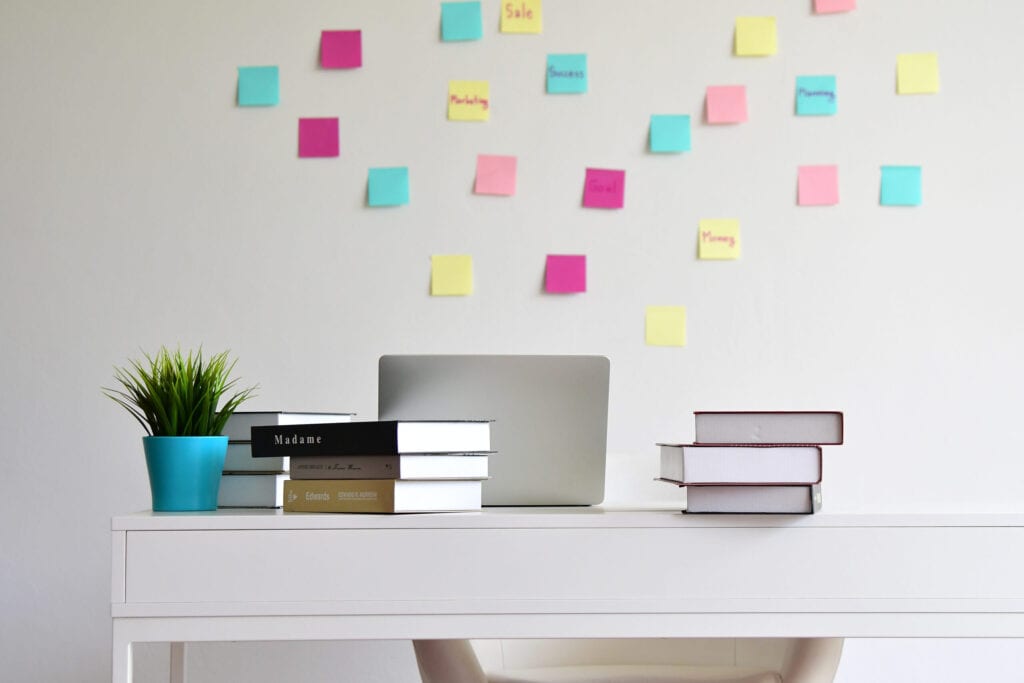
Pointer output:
469, 100
666, 326
521, 16
718, 238
451, 275
917, 74
755, 36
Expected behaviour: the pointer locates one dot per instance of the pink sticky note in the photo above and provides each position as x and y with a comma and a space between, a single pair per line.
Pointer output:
565, 273
829, 6
495, 175
818, 185
318, 137
604, 189
341, 49
726, 103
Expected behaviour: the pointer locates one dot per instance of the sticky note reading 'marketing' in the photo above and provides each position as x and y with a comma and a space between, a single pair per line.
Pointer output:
469, 100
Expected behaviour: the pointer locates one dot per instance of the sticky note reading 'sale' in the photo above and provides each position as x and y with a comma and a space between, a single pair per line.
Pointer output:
604, 189
521, 16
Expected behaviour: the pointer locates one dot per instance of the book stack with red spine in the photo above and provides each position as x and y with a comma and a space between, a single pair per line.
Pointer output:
753, 462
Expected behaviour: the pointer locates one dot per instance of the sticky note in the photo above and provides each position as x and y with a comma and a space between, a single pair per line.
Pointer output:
815, 95
469, 100
521, 16
666, 326
258, 86
917, 74
604, 189
341, 49
388, 186
817, 185
451, 275
565, 273
318, 137
670, 133
755, 37
829, 6
495, 175
567, 74
726, 103
718, 239
461, 21
901, 186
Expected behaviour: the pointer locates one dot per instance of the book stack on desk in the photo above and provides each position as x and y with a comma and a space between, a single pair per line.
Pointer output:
760, 462
386, 466
259, 482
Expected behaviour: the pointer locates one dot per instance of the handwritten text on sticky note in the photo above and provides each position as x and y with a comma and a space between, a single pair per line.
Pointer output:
604, 188
565, 273
495, 175
815, 95
469, 100
521, 16
665, 326
718, 239
567, 73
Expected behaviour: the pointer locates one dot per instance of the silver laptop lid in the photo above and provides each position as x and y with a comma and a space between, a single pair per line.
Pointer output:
550, 417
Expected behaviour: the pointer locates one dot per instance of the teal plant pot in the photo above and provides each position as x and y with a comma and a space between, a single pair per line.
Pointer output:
184, 471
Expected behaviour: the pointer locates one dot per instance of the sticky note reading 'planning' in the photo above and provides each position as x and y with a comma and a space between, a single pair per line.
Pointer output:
565, 273
469, 100
917, 74
318, 137
461, 21
388, 186
726, 103
901, 186
755, 37
521, 16
341, 49
495, 175
830, 6
670, 133
604, 189
817, 185
567, 74
258, 86
451, 275
815, 95
665, 326
718, 239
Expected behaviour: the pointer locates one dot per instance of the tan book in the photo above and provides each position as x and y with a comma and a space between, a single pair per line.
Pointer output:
381, 495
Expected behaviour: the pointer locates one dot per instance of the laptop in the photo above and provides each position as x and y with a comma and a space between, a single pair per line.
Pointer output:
550, 417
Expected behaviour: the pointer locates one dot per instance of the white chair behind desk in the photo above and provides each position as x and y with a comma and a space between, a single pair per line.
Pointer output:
656, 660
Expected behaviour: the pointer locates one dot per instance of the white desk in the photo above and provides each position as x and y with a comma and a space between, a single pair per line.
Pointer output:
583, 572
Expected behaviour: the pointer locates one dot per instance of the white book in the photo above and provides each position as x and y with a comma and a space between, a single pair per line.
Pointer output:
241, 421
775, 427
239, 459
740, 464
424, 466
251, 490
754, 499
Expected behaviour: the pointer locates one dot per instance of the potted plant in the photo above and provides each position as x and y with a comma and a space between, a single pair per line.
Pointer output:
183, 402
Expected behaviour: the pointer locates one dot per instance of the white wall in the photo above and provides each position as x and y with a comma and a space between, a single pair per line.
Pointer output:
140, 207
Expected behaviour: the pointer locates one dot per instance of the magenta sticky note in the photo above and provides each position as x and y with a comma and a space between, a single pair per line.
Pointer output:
726, 103
565, 273
495, 175
604, 189
818, 185
341, 49
318, 137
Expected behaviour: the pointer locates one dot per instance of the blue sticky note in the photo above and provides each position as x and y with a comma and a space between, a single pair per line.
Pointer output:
670, 133
461, 21
388, 186
567, 73
815, 95
901, 186
258, 86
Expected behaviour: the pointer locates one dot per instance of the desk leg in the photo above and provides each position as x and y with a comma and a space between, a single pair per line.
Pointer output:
177, 662
121, 669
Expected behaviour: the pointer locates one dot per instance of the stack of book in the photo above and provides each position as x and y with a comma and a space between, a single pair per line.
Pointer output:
387, 466
760, 462
259, 482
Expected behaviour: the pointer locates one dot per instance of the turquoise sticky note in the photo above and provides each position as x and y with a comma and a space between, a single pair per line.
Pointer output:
815, 95
461, 21
388, 186
258, 86
901, 186
670, 133
567, 74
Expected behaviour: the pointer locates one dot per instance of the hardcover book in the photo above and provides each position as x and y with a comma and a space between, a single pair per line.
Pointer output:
381, 495
241, 421
740, 464
251, 490
818, 427
460, 466
239, 459
382, 437
794, 500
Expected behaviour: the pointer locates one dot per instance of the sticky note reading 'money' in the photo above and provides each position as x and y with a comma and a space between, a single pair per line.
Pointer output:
341, 49
318, 137
451, 275
469, 100
665, 326
565, 273
604, 189
258, 86
726, 103
718, 239
818, 185
495, 175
